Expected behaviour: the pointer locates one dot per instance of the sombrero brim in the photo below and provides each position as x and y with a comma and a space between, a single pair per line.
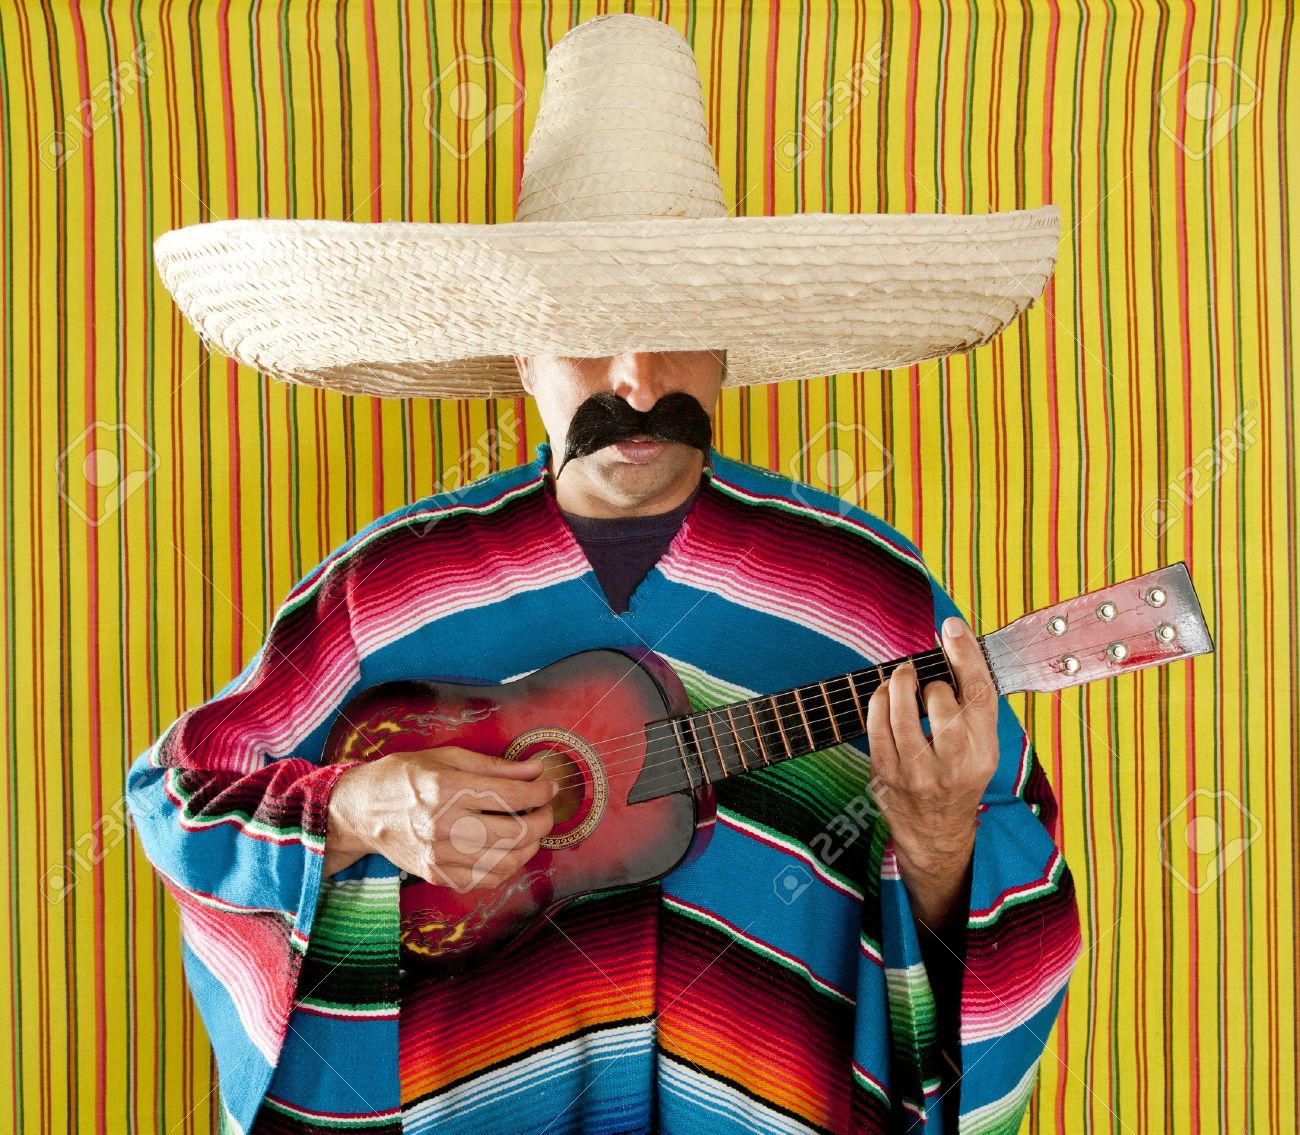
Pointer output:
418, 309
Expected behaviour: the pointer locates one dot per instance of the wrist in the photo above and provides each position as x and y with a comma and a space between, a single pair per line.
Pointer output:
937, 885
935, 859
343, 835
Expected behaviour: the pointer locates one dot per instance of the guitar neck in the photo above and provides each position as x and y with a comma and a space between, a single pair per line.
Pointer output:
708, 745
1149, 620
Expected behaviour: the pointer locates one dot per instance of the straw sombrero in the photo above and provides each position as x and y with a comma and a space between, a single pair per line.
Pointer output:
621, 242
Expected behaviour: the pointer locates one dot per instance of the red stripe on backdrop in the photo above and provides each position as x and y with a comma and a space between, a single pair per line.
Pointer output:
1053, 419
1184, 309
1132, 361
909, 197
518, 406
235, 516
769, 110
1288, 418
857, 116
1264, 127
375, 198
91, 378
37, 541
6, 501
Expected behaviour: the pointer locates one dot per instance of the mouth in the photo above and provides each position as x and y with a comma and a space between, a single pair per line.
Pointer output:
639, 450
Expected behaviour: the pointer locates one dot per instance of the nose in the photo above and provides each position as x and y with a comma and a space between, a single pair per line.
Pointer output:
638, 379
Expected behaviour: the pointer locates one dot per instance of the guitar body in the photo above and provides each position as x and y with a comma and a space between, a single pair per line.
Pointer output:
584, 716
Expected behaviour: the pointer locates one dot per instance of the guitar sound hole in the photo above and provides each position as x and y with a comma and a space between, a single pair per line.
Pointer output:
561, 768
572, 763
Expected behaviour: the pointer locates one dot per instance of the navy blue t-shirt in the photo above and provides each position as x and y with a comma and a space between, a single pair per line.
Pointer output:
622, 549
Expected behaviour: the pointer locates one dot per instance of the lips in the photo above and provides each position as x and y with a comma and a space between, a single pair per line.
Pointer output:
637, 451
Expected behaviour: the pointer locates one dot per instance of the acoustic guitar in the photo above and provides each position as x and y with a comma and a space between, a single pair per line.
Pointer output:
636, 764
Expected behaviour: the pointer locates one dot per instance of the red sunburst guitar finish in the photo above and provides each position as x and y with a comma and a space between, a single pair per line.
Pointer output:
636, 765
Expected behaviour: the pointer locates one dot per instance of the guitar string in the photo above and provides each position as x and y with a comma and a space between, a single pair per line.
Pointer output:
937, 668
674, 756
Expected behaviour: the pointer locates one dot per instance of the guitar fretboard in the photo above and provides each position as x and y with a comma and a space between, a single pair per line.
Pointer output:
709, 745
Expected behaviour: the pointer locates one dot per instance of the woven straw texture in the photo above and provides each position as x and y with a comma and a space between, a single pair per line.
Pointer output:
621, 242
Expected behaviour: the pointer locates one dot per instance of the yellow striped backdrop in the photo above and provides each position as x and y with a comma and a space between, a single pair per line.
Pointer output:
159, 504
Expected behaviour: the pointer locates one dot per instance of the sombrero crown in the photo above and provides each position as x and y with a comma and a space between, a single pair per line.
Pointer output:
622, 241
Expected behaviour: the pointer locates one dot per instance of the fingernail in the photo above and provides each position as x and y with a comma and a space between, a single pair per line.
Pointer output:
953, 627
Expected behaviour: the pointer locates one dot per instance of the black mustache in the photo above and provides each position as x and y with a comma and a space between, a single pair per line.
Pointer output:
605, 419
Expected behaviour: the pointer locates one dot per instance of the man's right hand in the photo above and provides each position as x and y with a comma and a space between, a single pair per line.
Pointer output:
450, 816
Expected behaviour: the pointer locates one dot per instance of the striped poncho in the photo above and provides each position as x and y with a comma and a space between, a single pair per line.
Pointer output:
775, 984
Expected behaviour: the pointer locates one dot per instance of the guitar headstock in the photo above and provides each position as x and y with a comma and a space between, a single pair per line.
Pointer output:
1145, 621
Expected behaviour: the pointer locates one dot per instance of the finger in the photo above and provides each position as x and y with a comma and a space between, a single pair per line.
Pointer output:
478, 792
506, 860
477, 840
464, 877
904, 716
518, 795
975, 688
538, 823
880, 736
484, 764
941, 705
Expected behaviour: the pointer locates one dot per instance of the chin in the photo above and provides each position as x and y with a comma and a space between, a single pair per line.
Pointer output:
648, 476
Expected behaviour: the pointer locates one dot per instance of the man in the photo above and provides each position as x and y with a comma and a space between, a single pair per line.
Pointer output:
785, 978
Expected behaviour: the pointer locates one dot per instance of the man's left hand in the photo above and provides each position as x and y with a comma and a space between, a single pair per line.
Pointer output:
929, 788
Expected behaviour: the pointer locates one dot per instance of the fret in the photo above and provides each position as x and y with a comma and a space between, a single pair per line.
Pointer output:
840, 697
740, 745
857, 703
762, 748
798, 702
681, 753
699, 753
713, 753
947, 675
722, 759
820, 726
772, 731
786, 748
830, 710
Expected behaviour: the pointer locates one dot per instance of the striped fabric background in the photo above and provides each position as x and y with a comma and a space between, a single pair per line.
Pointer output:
159, 504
